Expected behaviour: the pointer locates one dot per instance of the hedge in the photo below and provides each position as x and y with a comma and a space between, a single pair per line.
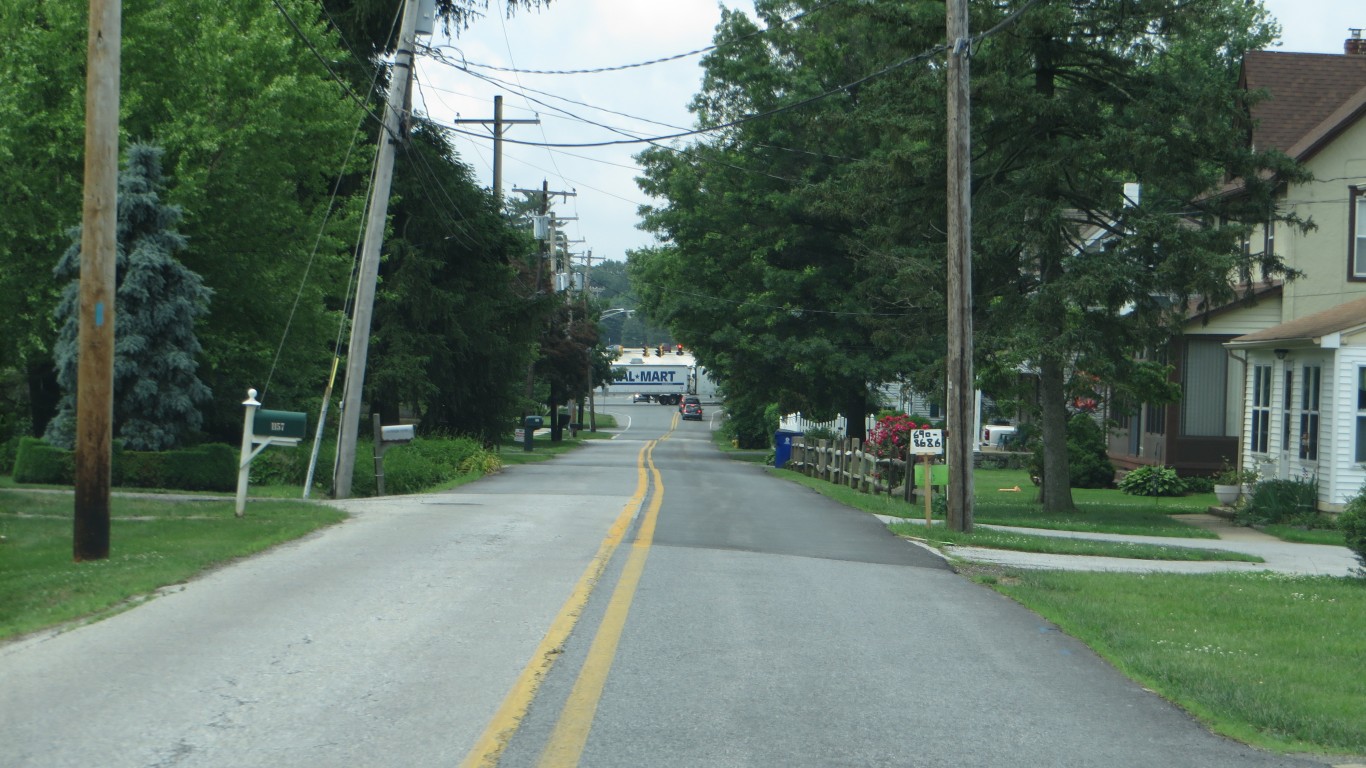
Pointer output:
210, 467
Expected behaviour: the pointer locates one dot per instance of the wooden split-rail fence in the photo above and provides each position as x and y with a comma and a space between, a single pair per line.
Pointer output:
847, 462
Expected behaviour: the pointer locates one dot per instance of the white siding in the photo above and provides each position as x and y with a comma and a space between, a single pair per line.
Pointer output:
1340, 477
1266, 313
1347, 476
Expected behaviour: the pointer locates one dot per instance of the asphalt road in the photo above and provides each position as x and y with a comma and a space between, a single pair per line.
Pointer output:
639, 602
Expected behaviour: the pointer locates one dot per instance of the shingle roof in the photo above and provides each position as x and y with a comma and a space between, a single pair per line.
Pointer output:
1303, 90
1310, 328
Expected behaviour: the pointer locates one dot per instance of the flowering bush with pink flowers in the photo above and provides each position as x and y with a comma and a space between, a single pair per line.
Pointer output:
890, 437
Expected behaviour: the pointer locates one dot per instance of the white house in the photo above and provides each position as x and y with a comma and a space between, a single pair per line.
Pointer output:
1304, 379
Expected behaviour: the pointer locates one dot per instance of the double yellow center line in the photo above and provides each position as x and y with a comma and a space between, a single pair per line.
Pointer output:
576, 718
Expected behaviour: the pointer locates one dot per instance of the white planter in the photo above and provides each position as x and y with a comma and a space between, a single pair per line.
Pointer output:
1227, 494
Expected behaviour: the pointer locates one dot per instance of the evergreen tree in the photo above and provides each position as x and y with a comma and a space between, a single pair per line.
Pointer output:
156, 387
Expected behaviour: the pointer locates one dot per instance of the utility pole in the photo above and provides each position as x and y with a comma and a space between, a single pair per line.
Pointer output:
545, 194
498, 123
959, 388
546, 245
358, 347
95, 340
588, 352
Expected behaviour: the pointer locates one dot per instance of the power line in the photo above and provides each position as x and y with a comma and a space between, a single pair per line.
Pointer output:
751, 117
651, 62
346, 87
522, 89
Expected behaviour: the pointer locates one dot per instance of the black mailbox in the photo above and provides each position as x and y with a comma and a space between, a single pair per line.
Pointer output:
534, 422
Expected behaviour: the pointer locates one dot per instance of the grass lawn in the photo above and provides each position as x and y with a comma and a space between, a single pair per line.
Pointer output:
1271, 660
153, 543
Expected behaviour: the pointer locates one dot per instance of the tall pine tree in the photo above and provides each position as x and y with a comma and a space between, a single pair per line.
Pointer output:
157, 391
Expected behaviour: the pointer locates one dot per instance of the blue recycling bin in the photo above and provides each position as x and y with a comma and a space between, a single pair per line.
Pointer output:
782, 446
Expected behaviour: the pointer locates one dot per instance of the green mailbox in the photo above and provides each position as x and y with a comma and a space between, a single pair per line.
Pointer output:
286, 424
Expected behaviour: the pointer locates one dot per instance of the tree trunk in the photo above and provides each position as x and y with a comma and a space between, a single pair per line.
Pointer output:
43, 395
1055, 490
554, 401
856, 415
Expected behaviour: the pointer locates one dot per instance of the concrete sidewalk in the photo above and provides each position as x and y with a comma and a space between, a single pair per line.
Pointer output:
1280, 556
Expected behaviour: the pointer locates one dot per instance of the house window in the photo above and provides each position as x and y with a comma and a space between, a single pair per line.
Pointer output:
1269, 238
1261, 408
1356, 245
1287, 403
1361, 415
1309, 413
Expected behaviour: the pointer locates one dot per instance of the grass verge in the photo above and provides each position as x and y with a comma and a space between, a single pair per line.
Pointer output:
542, 449
940, 536
154, 543
1106, 511
1268, 659
749, 455
1301, 535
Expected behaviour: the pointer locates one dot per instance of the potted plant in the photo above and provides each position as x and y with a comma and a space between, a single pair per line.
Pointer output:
1229, 482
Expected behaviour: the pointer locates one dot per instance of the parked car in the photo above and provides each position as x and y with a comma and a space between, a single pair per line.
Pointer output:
692, 411
997, 435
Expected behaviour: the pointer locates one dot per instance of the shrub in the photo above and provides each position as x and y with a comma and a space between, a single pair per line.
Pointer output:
1152, 481
139, 469
1230, 475
1352, 523
1283, 501
205, 468
819, 433
1198, 484
1088, 465
209, 467
750, 422
423, 464
8, 450
37, 462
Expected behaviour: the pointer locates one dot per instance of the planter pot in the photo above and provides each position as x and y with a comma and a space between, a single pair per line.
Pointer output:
1227, 494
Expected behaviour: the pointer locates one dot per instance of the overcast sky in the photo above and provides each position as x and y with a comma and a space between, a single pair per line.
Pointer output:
641, 101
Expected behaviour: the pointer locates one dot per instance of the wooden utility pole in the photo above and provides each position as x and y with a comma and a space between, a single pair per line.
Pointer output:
546, 244
358, 347
592, 413
95, 341
498, 123
960, 387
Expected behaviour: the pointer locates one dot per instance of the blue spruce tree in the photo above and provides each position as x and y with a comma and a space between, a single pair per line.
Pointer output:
157, 391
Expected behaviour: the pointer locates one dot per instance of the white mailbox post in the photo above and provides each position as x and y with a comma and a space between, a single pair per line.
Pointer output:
261, 428
386, 438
